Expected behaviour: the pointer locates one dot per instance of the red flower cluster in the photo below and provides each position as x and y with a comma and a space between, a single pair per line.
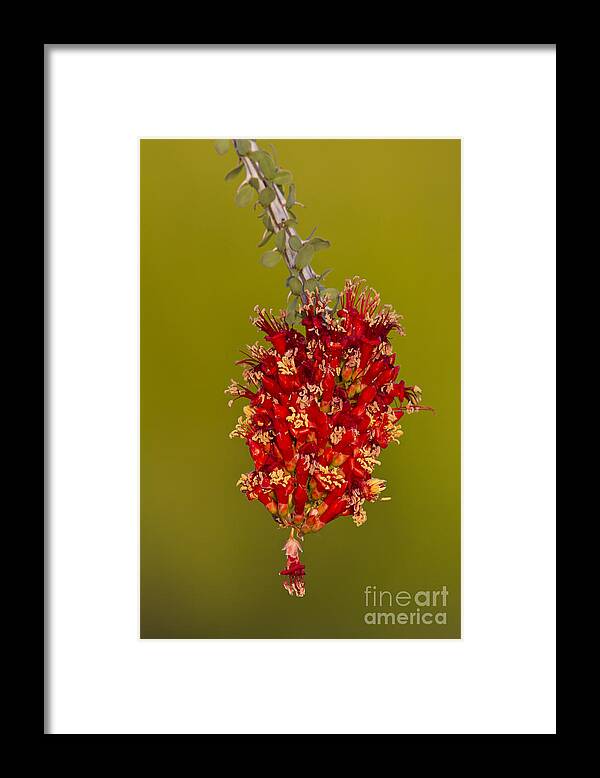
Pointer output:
322, 406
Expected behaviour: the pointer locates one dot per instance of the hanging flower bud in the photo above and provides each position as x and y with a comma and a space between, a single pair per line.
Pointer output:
294, 569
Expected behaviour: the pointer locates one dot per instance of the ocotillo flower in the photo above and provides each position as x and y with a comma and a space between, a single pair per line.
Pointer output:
322, 404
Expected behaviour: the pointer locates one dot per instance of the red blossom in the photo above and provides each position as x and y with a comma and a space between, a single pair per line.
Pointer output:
323, 405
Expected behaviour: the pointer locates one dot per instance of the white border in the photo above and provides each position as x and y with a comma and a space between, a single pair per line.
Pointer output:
500, 677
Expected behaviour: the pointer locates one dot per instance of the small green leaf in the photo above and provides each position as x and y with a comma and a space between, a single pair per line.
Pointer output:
304, 256
244, 196
291, 310
221, 146
254, 183
295, 285
325, 273
266, 196
295, 243
267, 222
283, 177
291, 198
268, 166
280, 240
311, 284
265, 239
265, 161
234, 173
292, 217
243, 147
319, 243
332, 293
270, 258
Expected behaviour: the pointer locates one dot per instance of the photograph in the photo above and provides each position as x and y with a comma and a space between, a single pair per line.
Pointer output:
317, 284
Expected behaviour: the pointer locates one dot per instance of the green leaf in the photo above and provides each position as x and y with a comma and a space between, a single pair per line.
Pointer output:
283, 177
295, 285
243, 147
267, 222
280, 240
244, 197
295, 243
292, 217
304, 256
332, 293
265, 239
291, 198
221, 146
265, 161
267, 166
234, 173
266, 196
291, 311
325, 273
270, 258
311, 284
254, 183
273, 153
319, 243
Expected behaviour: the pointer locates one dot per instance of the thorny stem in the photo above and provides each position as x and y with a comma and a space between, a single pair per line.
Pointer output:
277, 209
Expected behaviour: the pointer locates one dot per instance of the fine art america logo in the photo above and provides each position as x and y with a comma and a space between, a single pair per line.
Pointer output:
402, 607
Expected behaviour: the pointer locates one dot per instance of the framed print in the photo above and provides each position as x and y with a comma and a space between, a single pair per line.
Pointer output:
291, 293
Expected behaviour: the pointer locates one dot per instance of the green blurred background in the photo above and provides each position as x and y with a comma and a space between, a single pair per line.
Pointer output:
209, 558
